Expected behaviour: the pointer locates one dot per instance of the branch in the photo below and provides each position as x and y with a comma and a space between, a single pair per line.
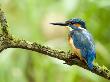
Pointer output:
3, 23
8, 41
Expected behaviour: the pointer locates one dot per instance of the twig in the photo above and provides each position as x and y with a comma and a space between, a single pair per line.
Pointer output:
7, 41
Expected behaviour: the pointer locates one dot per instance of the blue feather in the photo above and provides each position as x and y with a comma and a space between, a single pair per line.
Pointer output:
83, 40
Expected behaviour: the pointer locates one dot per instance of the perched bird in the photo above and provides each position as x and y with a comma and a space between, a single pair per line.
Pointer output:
80, 40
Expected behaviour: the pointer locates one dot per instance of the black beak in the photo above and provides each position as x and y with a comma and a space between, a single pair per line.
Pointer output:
60, 24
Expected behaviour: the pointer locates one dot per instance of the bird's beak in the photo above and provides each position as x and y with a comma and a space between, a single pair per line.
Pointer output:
60, 24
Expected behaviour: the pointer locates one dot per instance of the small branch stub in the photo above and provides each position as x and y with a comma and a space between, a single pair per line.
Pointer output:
3, 23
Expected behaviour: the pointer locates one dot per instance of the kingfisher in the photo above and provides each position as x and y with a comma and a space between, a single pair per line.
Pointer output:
80, 40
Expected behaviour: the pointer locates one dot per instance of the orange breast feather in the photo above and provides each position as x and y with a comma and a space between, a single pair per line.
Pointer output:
75, 50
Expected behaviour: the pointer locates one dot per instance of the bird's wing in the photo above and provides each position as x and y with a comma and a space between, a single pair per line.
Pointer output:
84, 41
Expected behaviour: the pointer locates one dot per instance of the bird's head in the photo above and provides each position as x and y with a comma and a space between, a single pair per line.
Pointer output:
75, 23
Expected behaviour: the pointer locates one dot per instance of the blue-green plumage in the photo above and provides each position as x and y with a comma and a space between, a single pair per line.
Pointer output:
81, 39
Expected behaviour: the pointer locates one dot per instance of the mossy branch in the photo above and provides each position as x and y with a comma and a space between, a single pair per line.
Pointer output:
8, 41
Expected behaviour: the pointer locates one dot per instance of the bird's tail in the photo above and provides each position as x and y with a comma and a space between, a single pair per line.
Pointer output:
90, 66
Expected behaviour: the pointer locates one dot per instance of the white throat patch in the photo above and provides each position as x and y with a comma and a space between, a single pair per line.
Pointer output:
82, 28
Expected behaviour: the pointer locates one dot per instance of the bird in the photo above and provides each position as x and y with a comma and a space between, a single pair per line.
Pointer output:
80, 39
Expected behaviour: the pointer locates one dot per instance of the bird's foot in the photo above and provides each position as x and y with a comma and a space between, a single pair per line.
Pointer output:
84, 61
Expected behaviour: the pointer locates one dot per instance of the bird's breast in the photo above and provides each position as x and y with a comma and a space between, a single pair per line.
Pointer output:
75, 50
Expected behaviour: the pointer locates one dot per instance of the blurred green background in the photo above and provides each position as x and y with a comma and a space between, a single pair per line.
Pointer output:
29, 19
